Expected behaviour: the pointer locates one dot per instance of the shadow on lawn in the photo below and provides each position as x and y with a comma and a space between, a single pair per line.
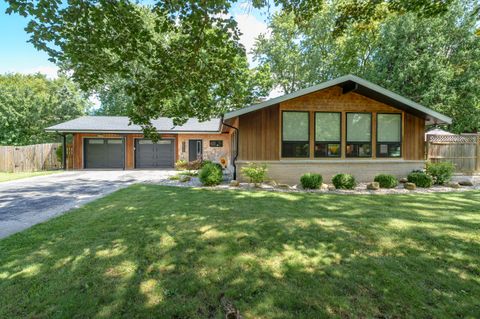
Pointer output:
151, 251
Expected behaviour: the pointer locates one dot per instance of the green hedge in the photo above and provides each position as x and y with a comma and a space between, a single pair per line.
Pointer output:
344, 181
441, 172
311, 181
386, 180
420, 179
210, 174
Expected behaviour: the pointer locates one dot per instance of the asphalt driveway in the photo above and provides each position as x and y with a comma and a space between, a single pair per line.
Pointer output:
26, 202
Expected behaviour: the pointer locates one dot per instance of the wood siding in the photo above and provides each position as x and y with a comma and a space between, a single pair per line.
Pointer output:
414, 141
260, 131
259, 135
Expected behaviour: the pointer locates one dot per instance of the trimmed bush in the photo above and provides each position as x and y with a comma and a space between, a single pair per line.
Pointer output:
441, 172
311, 181
256, 173
420, 179
344, 181
210, 174
386, 180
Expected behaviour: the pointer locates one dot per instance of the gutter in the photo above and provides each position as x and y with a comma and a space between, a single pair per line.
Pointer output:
236, 149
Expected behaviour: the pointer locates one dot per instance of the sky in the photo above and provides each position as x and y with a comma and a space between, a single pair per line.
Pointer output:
18, 55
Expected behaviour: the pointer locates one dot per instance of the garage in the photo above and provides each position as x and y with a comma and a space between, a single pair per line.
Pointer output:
154, 155
105, 153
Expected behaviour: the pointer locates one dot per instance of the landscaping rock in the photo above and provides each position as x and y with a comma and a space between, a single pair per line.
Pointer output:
453, 185
284, 186
466, 182
184, 178
272, 183
410, 186
373, 186
403, 180
234, 183
324, 186
331, 188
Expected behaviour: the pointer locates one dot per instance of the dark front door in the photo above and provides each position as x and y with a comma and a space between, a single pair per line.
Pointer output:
104, 153
154, 155
194, 150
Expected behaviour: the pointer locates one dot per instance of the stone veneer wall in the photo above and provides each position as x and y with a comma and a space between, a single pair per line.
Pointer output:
213, 154
289, 171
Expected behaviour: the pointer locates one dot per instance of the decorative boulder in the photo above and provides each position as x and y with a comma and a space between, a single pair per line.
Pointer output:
184, 178
373, 186
410, 186
453, 185
272, 183
234, 183
403, 180
285, 186
324, 186
331, 188
466, 182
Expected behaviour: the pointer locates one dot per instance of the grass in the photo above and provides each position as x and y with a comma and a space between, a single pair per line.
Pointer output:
164, 252
5, 177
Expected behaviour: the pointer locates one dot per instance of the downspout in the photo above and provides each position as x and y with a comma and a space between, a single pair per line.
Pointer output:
236, 148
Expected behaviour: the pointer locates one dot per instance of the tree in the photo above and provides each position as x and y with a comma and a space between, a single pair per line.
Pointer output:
30, 103
178, 58
432, 60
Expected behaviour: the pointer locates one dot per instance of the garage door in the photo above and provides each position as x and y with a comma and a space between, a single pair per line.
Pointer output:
104, 153
154, 155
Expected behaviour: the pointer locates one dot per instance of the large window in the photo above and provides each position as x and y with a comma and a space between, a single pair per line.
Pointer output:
295, 134
389, 135
327, 134
359, 135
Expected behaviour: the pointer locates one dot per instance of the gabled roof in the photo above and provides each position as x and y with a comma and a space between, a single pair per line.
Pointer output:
352, 83
120, 124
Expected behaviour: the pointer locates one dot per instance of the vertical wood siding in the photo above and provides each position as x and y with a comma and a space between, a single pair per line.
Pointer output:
260, 131
414, 142
259, 135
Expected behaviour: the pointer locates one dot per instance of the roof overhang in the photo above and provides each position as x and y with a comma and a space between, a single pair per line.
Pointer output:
352, 83
127, 132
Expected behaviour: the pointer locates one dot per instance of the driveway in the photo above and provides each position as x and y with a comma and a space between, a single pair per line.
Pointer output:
26, 202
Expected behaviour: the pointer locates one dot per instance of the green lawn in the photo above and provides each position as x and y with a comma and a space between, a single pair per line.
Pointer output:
151, 251
5, 177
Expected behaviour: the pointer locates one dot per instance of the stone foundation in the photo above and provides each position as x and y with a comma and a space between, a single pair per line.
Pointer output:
289, 171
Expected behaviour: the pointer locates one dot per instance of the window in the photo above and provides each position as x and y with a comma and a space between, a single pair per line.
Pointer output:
327, 134
389, 135
114, 141
92, 141
295, 134
216, 143
359, 135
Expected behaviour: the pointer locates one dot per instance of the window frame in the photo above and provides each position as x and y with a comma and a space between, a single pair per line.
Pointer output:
339, 142
358, 143
308, 138
377, 151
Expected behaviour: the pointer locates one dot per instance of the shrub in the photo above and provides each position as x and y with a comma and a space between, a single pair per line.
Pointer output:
386, 180
441, 172
311, 181
210, 174
344, 181
181, 165
256, 173
420, 179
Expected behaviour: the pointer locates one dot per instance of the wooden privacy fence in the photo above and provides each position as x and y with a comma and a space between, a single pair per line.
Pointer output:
462, 150
32, 157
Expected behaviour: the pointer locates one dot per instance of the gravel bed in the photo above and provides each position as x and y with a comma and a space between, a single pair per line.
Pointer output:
360, 189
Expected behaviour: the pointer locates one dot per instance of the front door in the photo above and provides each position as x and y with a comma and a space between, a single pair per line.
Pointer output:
194, 150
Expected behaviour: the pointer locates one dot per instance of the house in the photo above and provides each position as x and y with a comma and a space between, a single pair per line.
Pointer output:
344, 125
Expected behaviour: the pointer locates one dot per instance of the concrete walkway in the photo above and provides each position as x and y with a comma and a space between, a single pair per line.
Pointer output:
26, 202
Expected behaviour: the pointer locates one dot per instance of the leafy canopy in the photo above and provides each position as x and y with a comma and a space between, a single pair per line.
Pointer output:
176, 58
29, 103
432, 60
